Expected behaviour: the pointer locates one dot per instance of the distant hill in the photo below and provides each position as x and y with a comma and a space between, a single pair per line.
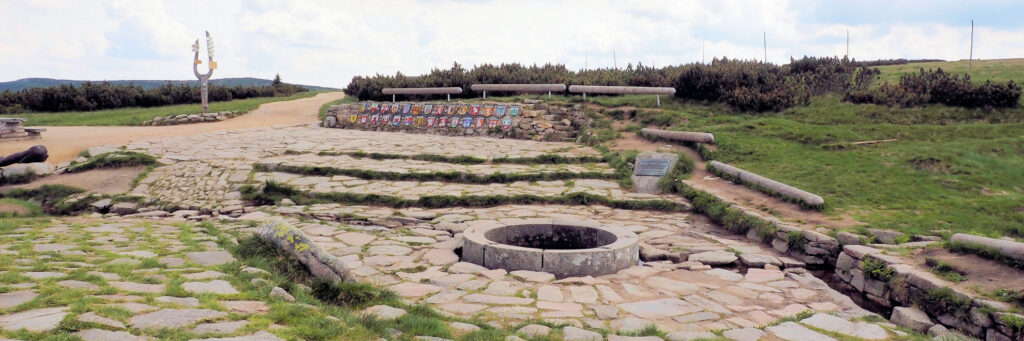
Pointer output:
28, 83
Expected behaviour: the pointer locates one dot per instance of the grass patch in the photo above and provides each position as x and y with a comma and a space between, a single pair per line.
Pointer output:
355, 295
20, 208
116, 159
946, 301
272, 192
323, 108
946, 270
136, 116
441, 176
986, 252
51, 198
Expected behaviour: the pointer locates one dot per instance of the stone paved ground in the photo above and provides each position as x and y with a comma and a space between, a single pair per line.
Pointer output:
105, 275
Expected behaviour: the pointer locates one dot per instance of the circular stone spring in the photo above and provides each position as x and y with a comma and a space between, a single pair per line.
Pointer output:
561, 248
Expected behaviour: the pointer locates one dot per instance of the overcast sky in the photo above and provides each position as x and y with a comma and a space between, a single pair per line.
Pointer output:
328, 42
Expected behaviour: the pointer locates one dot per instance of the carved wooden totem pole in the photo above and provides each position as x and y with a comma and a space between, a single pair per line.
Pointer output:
204, 79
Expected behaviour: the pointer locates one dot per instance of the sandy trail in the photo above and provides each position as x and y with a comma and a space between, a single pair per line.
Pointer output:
65, 143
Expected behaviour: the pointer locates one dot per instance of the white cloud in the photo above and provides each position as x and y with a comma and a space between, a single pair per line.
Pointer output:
327, 42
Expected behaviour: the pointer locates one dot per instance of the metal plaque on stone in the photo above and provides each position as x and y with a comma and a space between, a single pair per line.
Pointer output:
652, 167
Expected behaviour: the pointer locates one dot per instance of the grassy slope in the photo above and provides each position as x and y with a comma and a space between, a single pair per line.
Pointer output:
996, 70
346, 99
952, 168
135, 116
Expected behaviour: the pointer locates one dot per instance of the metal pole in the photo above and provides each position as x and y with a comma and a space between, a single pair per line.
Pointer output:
584, 96
449, 97
765, 47
485, 94
392, 98
549, 94
658, 96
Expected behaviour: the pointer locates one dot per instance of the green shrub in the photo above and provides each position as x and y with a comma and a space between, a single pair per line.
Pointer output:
946, 301
876, 269
795, 240
938, 87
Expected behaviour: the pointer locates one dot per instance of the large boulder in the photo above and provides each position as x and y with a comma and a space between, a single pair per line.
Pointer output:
912, 318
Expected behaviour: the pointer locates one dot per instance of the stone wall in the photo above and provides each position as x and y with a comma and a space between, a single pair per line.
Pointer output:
909, 286
191, 118
536, 120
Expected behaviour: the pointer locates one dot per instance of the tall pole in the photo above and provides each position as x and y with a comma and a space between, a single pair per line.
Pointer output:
847, 44
702, 51
765, 47
970, 60
615, 61
586, 60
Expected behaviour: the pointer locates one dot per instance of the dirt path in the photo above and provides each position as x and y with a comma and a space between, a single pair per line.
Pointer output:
65, 143
102, 181
728, 191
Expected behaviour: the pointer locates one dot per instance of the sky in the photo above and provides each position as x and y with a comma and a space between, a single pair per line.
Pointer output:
328, 42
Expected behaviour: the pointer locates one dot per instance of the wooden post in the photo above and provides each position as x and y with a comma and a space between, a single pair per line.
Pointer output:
970, 58
658, 97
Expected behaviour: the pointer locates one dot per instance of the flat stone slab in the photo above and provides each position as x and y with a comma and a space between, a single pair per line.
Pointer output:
714, 257
78, 285
139, 287
173, 318
533, 276
219, 287
570, 333
92, 317
384, 312
43, 274
219, 327
106, 335
247, 307
259, 336
835, 324
16, 298
795, 332
210, 258
52, 247
654, 309
185, 301
37, 320
500, 300
744, 334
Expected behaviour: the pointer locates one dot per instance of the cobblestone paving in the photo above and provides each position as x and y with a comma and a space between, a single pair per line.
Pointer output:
122, 275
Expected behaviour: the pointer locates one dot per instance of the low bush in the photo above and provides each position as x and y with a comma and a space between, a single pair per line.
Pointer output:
946, 301
876, 269
938, 87
355, 295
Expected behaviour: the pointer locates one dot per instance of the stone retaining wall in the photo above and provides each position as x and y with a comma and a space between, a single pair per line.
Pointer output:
909, 286
192, 118
535, 120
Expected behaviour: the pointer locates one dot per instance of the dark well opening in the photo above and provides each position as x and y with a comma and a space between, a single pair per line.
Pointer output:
552, 237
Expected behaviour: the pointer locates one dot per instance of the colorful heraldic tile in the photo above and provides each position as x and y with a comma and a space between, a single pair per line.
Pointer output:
363, 119
385, 108
395, 108
385, 120
474, 110
439, 110
406, 108
427, 109
430, 121
492, 122
374, 120
374, 107
452, 109
416, 109
442, 121
506, 124
421, 121
454, 122
407, 120
362, 107
463, 110
479, 123
467, 121
513, 111
499, 111
488, 110
352, 118
396, 120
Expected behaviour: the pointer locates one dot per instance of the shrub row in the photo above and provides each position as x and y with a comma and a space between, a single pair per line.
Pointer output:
938, 87
104, 95
449, 176
272, 192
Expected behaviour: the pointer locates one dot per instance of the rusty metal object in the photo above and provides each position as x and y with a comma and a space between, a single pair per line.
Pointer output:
422, 91
622, 90
519, 87
809, 199
687, 136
